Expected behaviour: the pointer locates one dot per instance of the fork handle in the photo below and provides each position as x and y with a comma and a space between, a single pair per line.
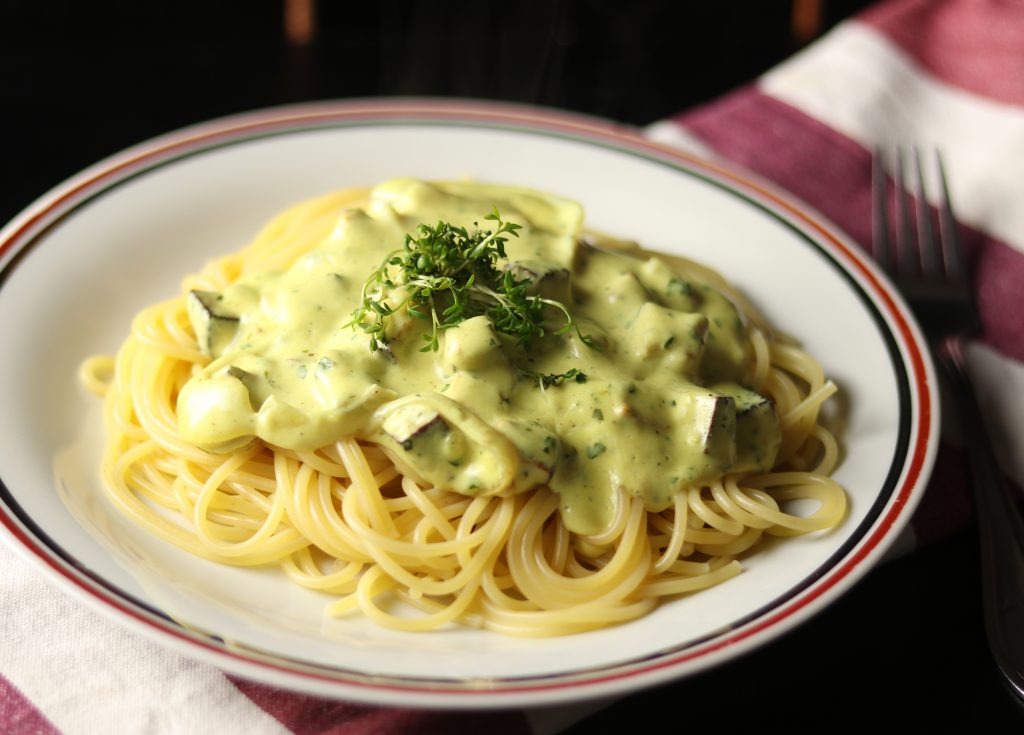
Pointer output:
1000, 526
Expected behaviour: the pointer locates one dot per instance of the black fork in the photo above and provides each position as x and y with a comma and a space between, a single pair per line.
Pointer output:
930, 271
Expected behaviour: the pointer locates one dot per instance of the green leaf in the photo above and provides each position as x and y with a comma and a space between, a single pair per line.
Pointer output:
455, 274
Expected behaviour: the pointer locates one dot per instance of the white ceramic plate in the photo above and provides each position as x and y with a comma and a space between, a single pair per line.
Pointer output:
80, 262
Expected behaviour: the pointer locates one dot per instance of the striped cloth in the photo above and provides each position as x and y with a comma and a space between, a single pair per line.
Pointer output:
923, 71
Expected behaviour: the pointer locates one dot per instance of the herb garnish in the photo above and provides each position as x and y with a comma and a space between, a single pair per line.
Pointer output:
445, 275
550, 379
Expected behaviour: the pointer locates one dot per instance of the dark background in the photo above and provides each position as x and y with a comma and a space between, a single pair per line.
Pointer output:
83, 80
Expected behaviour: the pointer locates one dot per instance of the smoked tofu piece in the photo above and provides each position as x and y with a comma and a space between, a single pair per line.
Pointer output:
413, 422
757, 429
706, 422
442, 449
215, 328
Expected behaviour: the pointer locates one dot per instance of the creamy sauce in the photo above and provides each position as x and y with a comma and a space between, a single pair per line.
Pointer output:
662, 406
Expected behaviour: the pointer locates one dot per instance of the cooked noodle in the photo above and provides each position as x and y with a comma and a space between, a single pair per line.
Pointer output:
344, 521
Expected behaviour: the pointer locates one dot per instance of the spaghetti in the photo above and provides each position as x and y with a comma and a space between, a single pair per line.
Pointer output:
355, 520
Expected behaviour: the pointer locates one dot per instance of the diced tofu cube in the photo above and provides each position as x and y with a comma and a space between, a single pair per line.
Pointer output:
214, 327
757, 429
412, 421
666, 339
710, 419
625, 290
671, 289
471, 345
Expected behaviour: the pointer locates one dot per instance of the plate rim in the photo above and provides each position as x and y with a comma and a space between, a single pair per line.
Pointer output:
838, 573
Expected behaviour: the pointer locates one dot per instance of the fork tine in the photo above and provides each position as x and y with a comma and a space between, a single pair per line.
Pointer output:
906, 248
929, 249
880, 214
951, 248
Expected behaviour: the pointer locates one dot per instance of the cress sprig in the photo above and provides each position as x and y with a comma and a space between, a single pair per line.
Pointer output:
447, 276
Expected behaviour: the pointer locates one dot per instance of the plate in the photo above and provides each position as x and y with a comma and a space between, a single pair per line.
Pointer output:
83, 259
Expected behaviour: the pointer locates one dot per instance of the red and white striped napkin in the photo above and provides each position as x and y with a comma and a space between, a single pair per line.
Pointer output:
949, 74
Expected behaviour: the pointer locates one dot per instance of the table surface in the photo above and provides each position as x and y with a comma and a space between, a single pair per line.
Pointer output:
905, 646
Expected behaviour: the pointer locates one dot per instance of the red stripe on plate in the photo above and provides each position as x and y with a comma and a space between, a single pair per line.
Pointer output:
832, 173
18, 715
977, 45
587, 129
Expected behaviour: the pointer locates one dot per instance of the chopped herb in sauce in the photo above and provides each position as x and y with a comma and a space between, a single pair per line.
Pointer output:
676, 286
558, 378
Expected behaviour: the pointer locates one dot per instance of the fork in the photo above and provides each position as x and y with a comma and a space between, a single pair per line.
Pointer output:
931, 273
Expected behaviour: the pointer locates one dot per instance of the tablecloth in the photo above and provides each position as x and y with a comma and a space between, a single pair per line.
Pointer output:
946, 74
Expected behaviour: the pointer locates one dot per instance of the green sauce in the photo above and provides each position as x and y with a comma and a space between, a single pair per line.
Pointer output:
661, 407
